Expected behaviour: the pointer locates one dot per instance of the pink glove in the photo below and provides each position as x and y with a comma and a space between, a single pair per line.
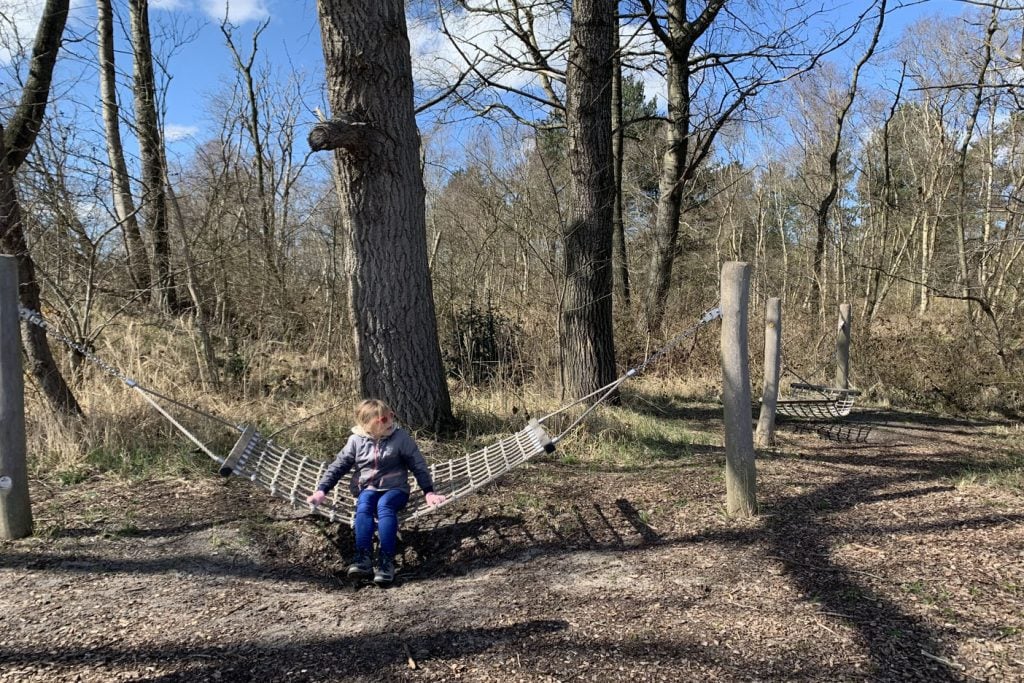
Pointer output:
316, 498
435, 499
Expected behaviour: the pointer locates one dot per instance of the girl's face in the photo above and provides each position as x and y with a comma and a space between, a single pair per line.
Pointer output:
379, 425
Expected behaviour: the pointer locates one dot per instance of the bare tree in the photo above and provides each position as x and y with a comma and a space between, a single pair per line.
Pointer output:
124, 204
16, 141
824, 208
717, 64
154, 194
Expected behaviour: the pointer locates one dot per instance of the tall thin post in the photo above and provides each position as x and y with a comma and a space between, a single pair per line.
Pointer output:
740, 471
765, 436
843, 348
15, 508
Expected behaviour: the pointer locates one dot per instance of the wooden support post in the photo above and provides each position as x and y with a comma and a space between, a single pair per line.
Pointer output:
740, 471
15, 508
843, 348
772, 369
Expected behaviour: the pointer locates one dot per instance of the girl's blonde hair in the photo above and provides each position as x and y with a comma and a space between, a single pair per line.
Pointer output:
369, 410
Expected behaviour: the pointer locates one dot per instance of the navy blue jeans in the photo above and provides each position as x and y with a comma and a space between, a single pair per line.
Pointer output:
381, 507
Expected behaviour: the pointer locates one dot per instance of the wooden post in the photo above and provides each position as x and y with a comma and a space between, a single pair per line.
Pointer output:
740, 471
15, 509
843, 348
772, 369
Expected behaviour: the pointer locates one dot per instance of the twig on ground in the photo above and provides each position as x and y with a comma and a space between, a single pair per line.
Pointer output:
943, 660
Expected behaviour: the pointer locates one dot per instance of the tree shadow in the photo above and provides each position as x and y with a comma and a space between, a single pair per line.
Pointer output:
542, 648
302, 659
192, 564
669, 408
134, 532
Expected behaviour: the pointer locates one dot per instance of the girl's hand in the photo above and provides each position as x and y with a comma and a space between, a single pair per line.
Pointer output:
316, 498
435, 499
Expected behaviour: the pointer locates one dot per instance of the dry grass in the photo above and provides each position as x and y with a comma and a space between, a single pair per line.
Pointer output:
275, 387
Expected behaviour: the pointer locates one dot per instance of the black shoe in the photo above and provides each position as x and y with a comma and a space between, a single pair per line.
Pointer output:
385, 573
362, 566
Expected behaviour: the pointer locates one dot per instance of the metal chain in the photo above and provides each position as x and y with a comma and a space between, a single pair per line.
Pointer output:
36, 318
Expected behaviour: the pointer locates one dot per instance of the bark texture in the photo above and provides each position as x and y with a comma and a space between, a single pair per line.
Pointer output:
124, 205
23, 126
589, 345
15, 506
381, 195
154, 197
740, 470
765, 435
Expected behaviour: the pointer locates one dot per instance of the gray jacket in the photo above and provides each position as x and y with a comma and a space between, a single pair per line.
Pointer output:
380, 464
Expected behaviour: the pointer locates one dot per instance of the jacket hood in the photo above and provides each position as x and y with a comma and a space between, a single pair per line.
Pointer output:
359, 431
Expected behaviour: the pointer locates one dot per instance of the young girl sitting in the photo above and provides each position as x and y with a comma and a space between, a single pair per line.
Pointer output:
383, 454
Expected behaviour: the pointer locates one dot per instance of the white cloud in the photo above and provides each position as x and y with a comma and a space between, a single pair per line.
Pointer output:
168, 4
177, 131
482, 34
19, 20
238, 11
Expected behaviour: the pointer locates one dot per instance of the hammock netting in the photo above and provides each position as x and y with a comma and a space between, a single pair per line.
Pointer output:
292, 476
817, 402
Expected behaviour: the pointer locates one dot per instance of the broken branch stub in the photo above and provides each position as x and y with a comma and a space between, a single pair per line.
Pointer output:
345, 132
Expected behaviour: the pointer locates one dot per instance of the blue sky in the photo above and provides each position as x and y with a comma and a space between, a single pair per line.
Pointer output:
201, 67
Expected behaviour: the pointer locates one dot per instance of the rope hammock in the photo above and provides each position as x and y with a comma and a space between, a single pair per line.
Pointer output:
292, 476
817, 402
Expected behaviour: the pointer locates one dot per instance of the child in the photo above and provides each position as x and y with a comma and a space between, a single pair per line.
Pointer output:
383, 454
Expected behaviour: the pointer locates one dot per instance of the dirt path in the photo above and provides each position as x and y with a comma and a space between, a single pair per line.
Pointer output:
869, 562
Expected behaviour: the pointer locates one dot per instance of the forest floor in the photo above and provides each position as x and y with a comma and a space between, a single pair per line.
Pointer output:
882, 552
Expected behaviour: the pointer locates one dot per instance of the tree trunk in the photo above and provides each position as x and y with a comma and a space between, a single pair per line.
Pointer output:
41, 364
620, 260
369, 77
843, 347
676, 166
23, 126
154, 199
124, 205
202, 317
589, 342
964, 211
825, 207
666, 226
15, 143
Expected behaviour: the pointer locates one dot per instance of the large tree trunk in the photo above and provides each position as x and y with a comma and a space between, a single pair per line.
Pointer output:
589, 343
369, 77
154, 198
15, 143
124, 205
